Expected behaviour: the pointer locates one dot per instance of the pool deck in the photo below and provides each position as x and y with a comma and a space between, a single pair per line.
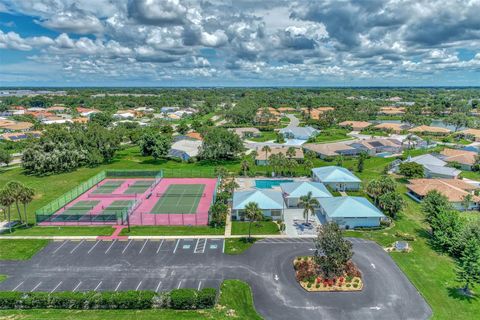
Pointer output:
249, 183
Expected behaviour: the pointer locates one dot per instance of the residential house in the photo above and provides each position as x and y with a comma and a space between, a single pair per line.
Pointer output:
433, 167
316, 113
11, 126
185, 148
169, 109
86, 112
194, 135
125, 114
355, 125
337, 178
374, 146
454, 189
430, 130
262, 157
463, 158
80, 120
55, 120
473, 134
299, 133
392, 111
350, 212
390, 127
57, 109
285, 110
293, 191
18, 136
245, 133
267, 115
329, 150
269, 201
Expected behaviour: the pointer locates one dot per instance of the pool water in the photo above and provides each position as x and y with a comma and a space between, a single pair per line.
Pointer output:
268, 184
384, 154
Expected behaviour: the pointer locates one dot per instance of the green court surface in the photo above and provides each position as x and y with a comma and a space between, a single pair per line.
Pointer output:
108, 187
139, 187
179, 199
76, 211
116, 209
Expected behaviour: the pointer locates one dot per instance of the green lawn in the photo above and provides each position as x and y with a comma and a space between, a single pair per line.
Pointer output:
266, 136
20, 249
333, 134
234, 295
2, 277
238, 245
50, 187
173, 231
61, 231
261, 227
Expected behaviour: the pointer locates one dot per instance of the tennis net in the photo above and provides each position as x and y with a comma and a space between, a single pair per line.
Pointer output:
79, 207
170, 194
112, 195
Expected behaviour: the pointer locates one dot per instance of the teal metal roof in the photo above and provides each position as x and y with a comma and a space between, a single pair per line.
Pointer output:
266, 199
302, 188
350, 207
334, 174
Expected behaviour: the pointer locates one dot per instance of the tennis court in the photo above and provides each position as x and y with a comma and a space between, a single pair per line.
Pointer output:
179, 199
138, 187
108, 187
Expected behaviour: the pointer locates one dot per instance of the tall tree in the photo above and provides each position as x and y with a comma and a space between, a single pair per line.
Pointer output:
220, 144
308, 203
252, 213
391, 203
245, 167
468, 271
266, 149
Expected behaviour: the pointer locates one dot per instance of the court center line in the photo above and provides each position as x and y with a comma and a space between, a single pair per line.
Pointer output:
124, 249
160, 245
144, 244
58, 285
93, 247
77, 286
38, 285
18, 286
118, 286
199, 286
176, 246
78, 245
196, 246
179, 284
138, 286
98, 286
158, 286
110, 246
60, 246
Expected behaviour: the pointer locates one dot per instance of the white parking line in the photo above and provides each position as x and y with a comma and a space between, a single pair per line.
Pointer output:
77, 286
118, 286
98, 286
223, 247
138, 286
124, 249
58, 285
159, 246
78, 245
38, 285
144, 244
65, 242
18, 286
199, 286
176, 246
110, 246
93, 247
196, 246
158, 286
179, 284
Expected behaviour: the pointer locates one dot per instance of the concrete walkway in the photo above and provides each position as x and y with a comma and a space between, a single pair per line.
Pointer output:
228, 225
343, 193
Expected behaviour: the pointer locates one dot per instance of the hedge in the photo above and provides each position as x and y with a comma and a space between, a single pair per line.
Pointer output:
176, 299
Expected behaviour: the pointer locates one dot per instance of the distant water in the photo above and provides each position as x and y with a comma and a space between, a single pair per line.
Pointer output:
435, 123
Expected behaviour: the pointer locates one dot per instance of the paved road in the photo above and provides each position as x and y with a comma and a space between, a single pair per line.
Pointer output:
294, 121
198, 263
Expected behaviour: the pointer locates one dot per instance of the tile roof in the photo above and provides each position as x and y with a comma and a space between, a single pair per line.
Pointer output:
334, 174
277, 150
302, 188
471, 132
355, 124
350, 207
328, 149
453, 189
266, 199
460, 156
390, 126
430, 129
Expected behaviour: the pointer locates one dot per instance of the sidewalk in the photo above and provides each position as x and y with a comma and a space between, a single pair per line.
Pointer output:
55, 238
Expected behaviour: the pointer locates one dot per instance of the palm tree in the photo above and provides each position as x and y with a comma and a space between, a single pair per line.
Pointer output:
245, 166
252, 213
15, 188
291, 152
309, 204
466, 200
266, 149
25, 197
6, 200
230, 185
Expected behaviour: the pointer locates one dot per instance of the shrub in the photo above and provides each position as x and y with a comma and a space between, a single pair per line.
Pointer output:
309, 285
183, 299
355, 285
317, 285
349, 279
348, 285
404, 236
352, 270
206, 298
8, 300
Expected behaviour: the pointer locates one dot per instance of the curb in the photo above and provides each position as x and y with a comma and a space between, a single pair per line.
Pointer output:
56, 238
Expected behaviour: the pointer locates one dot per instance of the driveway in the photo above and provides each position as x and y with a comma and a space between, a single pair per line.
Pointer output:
198, 263
294, 121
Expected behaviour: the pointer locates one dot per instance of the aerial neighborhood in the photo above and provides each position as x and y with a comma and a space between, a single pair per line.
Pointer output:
239, 160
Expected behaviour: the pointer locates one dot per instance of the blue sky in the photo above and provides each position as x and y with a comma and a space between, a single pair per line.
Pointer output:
239, 43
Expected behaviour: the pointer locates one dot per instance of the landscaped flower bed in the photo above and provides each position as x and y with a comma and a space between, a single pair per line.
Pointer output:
309, 277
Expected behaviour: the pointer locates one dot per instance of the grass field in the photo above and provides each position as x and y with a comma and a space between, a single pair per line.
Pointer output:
238, 245
2, 277
61, 231
261, 227
265, 136
234, 295
172, 231
334, 134
20, 249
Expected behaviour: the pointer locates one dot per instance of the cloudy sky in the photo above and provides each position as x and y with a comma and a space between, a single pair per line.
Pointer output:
239, 43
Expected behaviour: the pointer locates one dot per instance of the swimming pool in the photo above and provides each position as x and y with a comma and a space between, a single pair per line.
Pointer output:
268, 184
384, 154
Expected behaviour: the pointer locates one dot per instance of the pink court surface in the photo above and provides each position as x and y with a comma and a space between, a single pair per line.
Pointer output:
147, 203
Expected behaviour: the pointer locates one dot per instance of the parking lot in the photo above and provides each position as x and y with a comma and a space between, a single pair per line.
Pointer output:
267, 267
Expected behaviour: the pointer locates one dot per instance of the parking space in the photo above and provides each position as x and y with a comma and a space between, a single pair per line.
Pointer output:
286, 241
